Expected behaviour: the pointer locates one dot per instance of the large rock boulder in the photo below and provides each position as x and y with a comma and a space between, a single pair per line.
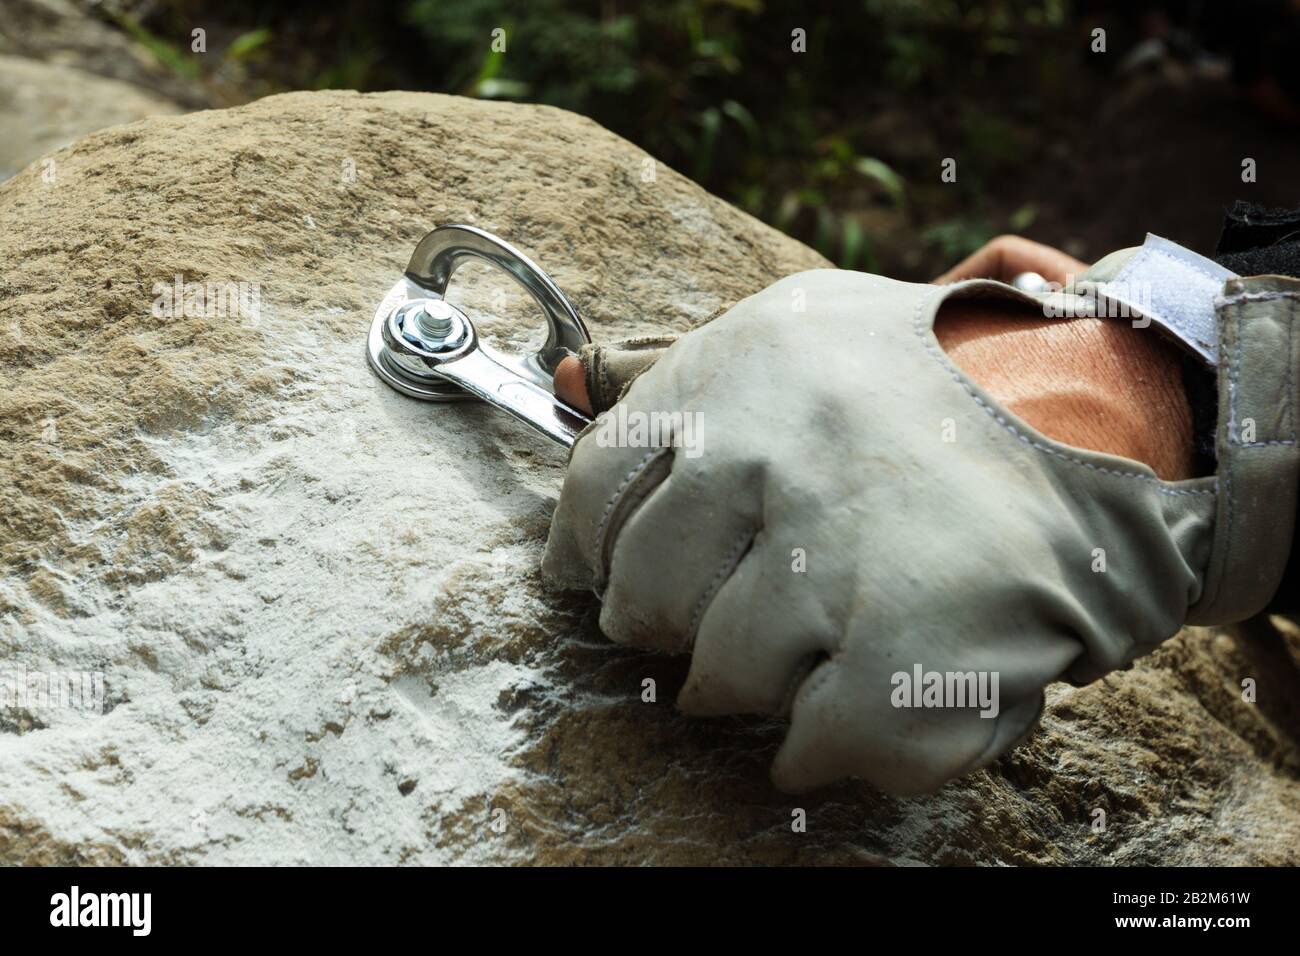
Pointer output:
315, 604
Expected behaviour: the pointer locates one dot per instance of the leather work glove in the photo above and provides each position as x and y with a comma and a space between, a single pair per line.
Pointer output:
840, 526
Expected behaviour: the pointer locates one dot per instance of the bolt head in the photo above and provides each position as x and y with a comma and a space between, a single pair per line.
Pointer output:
435, 319
431, 325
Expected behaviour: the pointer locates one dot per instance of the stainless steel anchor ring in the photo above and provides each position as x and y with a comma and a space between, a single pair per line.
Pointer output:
427, 348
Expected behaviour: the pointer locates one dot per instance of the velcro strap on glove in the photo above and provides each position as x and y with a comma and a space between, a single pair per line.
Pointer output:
1259, 462
1247, 328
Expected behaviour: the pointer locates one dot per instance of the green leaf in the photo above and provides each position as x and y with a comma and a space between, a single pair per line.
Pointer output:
177, 59
787, 211
710, 122
1023, 217
881, 173
744, 119
247, 43
494, 89
822, 238
852, 240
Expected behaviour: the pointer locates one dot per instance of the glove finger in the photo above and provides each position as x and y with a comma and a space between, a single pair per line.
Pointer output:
846, 719
927, 750
841, 729
603, 484
767, 626
604, 481
676, 549
610, 369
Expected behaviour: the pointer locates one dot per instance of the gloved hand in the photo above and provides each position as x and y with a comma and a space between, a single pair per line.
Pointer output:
856, 516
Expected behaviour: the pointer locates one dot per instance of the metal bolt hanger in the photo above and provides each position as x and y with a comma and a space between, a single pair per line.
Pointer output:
425, 347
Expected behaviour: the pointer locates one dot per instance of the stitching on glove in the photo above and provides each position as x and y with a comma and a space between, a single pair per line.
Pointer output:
918, 326
1253, 297
637, 469
642, 342
734, 556
1235, 371
1290, 367
1231, 462
595, 366
598, 388
1231, 358
1133, 263
629, 503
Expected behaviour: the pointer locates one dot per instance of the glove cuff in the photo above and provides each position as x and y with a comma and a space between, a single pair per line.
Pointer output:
1259, 461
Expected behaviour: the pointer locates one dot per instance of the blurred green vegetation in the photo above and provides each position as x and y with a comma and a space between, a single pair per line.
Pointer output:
839, 145
720, 90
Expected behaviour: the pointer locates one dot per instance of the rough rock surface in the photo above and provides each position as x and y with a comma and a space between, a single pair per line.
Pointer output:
44, 106
315, 603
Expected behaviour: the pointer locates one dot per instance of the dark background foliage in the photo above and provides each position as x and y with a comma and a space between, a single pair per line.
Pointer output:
840, 145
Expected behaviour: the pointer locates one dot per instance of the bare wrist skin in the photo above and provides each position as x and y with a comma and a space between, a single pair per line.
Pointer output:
1098, 384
